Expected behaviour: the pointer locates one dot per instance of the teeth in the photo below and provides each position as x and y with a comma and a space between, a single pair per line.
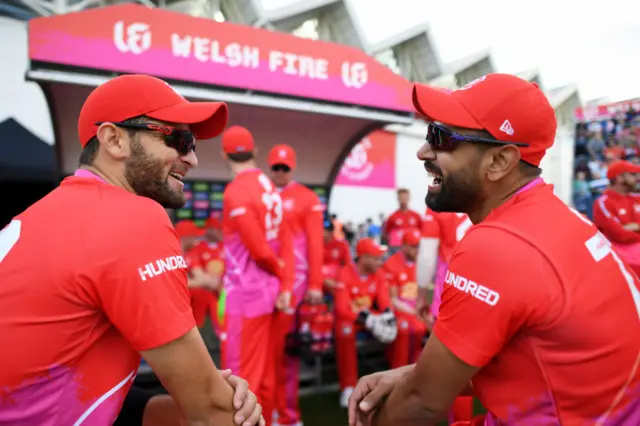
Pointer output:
175, 176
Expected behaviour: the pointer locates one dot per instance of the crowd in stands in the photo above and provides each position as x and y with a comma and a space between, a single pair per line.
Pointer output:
598, 144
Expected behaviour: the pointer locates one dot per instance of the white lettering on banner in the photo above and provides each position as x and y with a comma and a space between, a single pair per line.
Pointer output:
137, 39
207, 50
298, 65
355, 75
476, 290
160, 266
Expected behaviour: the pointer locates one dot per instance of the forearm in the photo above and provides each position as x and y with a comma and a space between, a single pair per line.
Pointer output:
402, 306
404, 406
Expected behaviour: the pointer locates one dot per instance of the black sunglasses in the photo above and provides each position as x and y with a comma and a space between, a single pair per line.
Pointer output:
280, 168
183, 141
443, 139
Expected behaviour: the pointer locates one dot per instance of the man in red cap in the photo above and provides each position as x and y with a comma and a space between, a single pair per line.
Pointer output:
259, 273
617, 212
360, 285
524, 316
211, 253
114, 287
400, 270
401, 219
303, 212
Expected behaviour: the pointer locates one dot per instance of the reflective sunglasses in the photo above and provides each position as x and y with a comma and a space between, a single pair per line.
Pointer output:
183, 141
443, 139
280, 168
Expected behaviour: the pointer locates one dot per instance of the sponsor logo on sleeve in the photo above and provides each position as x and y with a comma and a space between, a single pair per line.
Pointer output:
480, 292
160, 266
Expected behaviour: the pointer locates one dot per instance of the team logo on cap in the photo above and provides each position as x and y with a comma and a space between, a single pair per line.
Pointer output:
507, 128
473, 83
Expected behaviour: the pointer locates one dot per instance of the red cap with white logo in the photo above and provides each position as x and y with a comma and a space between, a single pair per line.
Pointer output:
509, 108
282, 154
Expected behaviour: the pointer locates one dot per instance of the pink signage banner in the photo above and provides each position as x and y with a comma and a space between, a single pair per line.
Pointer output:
371, 163
606, 111
130, 38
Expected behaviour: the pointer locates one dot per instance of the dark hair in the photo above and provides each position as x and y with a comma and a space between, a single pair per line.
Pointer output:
403, 191
88, 154
241, 157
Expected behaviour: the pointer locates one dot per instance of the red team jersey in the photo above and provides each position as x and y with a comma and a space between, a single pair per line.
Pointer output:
536, 298
211, 257
398, 222
612, 211
355, 293
81, 297
448, 228
303, 212
401, 275
336, 254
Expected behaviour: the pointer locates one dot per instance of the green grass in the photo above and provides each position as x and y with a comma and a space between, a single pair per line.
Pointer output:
323, 409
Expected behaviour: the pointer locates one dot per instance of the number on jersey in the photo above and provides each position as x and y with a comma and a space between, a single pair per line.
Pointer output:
9, 237
273, 203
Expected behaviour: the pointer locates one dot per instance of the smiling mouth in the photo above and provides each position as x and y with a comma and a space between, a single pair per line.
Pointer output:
435, 178
176, 176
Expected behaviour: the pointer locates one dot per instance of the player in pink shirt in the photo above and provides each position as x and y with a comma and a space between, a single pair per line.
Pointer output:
303, 212
258, 275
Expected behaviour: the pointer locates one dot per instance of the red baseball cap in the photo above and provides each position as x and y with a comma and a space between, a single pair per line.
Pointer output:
509, 108
237, 139
618, 168
187, 228
133, 95
370, 247
282, 154
411, 237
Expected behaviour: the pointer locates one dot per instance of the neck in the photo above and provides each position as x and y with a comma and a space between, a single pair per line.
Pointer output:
621, 189
361, 269
237, 168
403, 208
109, 177
478, 215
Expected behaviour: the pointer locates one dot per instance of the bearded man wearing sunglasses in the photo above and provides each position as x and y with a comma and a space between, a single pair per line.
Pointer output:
524, 317
81, 301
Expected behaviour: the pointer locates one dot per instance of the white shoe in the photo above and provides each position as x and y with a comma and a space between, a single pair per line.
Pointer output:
344, 397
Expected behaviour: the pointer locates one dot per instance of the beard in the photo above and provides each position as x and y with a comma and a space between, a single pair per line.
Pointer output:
459, 192
147, 177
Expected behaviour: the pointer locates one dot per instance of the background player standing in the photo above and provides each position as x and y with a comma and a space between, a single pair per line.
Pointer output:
400, 270
401, 219
258, 268
303, 213
362, 302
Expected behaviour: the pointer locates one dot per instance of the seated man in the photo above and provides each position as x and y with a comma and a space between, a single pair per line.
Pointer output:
358, 286
400, 270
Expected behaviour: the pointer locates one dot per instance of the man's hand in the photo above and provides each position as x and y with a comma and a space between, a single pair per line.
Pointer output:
633, 227
330, 284
283, 301
314, 297
249, 411
385, 329
371, 391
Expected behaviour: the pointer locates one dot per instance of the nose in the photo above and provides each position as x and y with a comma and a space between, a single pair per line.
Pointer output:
191, 159
426, 153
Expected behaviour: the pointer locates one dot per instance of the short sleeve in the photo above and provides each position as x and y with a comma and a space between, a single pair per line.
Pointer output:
139, 277
237, 201
496, 284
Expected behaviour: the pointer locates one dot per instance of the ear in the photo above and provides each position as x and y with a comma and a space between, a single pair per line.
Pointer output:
255, 152
224, 155
502, 160
112, 141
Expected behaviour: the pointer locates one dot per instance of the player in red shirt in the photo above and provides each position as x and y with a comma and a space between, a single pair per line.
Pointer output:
211, 252
400, 270
401, 219
441, 233
360, 284
336, 254
259, 270
616, 213
524, 316
303, 212
82, 300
